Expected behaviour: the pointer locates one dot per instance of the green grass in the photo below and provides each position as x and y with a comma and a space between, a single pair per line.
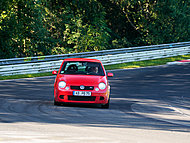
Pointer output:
111, 67
25, 76
147, 63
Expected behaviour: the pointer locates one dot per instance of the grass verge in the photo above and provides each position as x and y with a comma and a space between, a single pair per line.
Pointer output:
146, 63
111, 67
25, 76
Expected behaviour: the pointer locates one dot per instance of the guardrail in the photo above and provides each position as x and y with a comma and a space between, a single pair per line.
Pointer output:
41, 64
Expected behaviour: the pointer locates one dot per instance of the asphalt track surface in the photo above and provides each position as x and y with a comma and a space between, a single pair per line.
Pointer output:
148, 105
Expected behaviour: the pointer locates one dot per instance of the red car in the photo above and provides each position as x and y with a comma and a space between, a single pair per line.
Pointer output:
81, 80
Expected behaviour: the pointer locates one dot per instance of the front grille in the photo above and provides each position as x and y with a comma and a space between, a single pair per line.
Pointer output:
85, 88
82, 98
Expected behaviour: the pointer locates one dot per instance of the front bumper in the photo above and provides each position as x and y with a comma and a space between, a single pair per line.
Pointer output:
97, 97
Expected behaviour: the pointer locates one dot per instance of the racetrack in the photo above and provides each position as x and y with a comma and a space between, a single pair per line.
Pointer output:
148, 105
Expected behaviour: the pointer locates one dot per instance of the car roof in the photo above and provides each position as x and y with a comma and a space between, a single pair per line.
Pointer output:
82, 59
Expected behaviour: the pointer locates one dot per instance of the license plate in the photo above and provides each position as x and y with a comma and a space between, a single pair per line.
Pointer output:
81, 93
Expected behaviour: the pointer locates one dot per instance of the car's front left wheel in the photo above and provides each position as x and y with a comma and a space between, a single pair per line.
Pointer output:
106, 106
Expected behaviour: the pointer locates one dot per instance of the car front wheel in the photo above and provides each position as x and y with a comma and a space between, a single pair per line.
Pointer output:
106, 106
57, 103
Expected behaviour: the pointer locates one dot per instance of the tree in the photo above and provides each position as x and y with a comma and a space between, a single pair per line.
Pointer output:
145, 22
44, 27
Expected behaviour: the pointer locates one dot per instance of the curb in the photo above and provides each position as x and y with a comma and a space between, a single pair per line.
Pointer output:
179, 62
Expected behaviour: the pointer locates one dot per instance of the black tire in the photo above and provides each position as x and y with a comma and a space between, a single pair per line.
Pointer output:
106, 106
57, 103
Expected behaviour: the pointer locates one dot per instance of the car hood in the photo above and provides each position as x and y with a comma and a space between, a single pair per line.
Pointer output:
86, 80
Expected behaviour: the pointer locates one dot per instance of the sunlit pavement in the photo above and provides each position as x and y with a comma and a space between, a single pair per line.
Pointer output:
163, 111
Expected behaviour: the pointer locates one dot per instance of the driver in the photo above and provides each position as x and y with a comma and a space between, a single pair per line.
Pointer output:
94, 69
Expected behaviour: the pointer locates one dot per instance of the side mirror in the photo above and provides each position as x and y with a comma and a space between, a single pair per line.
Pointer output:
110, 74
54, 72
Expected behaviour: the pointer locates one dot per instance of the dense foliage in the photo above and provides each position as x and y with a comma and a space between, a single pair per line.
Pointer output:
44, 27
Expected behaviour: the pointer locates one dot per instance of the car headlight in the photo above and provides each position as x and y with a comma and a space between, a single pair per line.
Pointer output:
102, 86
62, 84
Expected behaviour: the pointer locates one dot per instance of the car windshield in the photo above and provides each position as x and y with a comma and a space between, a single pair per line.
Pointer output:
82, 68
